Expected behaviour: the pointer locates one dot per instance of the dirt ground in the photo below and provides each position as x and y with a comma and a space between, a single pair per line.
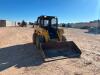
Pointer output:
18, 56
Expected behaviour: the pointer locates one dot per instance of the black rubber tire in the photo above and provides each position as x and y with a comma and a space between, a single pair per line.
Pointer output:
38, 46
34, 38
63, 38
37, 42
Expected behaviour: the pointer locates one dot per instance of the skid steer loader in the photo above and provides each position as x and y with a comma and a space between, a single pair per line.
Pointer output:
48, 38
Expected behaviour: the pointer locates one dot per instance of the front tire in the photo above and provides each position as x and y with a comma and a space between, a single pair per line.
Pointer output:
64, 39
39, 41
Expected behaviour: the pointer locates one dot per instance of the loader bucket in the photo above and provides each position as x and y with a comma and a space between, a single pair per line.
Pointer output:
66, 49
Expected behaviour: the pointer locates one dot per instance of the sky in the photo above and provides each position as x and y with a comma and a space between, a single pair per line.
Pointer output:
66, 10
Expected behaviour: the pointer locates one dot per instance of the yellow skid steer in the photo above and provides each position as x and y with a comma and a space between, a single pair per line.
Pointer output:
48, 38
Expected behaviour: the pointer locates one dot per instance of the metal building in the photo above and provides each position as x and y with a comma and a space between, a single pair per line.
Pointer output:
5, 23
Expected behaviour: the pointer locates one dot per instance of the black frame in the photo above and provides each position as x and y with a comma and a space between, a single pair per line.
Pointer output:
42, 18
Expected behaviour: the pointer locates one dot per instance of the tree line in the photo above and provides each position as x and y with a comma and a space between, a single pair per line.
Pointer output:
24, 24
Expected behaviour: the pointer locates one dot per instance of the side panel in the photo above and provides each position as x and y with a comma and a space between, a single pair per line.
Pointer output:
42, 32
60, 34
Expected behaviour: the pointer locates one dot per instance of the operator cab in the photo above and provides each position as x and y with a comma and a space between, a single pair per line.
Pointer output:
49, 23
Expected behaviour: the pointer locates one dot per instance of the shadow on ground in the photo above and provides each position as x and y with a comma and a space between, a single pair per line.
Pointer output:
25, 55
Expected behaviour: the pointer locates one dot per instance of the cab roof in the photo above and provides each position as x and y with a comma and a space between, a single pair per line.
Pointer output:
46, 17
